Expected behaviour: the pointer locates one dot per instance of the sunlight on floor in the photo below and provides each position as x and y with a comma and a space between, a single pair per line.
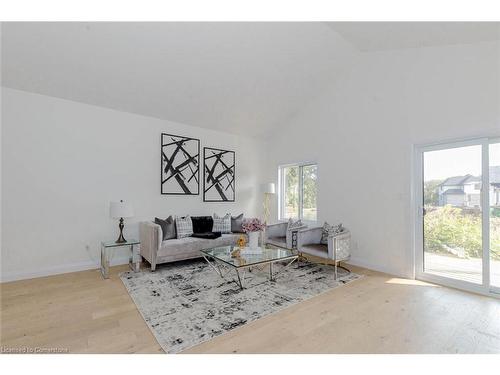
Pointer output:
395, 280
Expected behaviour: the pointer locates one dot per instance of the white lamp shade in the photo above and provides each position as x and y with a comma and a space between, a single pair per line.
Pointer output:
269, 188
120, 209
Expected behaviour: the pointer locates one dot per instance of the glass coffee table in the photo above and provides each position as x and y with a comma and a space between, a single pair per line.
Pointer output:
220, 259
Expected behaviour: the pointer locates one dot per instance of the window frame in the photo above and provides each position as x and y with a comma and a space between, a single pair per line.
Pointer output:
281, 189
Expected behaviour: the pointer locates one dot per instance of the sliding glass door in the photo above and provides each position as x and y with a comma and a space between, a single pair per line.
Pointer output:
458, 214
494, 201
452, 213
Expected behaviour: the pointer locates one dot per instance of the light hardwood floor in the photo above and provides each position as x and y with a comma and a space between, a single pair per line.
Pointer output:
377, 314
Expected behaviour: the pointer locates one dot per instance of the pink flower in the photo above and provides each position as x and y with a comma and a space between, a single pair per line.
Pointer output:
253, 225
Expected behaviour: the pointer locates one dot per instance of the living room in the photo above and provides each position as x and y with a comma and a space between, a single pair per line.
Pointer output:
250, 187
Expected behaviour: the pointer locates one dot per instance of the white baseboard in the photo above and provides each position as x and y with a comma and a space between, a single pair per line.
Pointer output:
91, 265
375, 267
60, 269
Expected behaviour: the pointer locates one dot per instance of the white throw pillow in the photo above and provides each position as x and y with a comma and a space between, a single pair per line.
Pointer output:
222, 224
294, 224
184, 226
329, 230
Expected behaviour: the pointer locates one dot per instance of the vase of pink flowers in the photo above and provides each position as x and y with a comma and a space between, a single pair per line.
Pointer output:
253, 227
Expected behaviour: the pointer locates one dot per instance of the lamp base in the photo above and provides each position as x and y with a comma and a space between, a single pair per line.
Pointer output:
267, 211
121, 239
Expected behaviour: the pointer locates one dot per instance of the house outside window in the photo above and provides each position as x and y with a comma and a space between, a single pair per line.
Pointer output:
298, 191
460, 191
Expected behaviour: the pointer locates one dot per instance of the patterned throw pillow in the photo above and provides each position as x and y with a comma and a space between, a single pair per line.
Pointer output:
294, 224
184, 226
222, 224
330, 230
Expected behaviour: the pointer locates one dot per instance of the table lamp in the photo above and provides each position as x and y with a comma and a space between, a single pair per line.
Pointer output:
119, 210
269, 189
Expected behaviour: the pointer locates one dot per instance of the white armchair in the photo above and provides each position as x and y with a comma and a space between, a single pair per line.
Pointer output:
338, 248
279, 235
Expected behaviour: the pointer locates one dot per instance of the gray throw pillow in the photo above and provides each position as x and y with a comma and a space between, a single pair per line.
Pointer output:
167, 227
237, 223
330, 230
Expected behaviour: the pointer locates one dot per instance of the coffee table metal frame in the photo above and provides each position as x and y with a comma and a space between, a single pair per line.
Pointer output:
223, 268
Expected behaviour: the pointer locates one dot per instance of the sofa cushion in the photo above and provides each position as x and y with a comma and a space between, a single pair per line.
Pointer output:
184, 226
318, 250
207, 235
190, 245
167, 227
237, 224
180, 245
277, 241
202, 224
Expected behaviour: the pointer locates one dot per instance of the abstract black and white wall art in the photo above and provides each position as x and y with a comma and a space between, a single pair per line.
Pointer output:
180, 165
218, 175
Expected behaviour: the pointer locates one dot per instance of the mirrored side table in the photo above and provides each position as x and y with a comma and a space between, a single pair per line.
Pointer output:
134, 257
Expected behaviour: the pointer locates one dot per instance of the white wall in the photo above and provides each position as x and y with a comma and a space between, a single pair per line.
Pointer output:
63, 162
363, 131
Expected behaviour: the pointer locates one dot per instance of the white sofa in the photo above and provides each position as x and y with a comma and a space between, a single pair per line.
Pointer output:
156, 251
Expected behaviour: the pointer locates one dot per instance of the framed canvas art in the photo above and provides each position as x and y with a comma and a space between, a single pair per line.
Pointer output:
218, 175
180, 165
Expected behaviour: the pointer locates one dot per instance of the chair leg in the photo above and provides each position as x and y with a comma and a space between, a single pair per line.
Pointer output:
301, 258
335, 271
344, 268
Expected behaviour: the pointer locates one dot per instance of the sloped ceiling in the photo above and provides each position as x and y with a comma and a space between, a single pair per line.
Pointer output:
238, 77
244, 78
380, 36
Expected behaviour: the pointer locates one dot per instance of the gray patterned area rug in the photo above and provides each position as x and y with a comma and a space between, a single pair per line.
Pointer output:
187, 303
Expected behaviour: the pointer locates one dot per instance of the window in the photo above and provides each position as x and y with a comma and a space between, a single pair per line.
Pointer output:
298, 191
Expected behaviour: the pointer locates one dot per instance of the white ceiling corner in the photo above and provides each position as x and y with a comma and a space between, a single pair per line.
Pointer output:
380, 36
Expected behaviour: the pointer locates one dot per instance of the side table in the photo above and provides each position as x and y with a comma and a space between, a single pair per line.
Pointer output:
106, 248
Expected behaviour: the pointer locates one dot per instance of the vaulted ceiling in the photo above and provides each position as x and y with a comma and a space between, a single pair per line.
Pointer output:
237, 77
379, 36
243, 78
